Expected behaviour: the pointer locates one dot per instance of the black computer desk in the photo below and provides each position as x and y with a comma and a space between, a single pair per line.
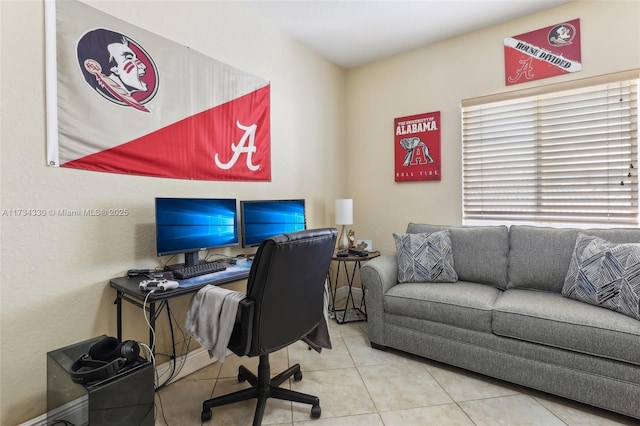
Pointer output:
128, 289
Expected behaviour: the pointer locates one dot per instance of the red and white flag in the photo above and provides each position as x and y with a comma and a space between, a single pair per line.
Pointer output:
543, 53
123, 100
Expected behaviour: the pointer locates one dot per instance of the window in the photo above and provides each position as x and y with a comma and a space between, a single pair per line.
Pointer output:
565, 156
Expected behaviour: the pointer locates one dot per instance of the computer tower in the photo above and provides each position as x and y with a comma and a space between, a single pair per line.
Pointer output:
126, 398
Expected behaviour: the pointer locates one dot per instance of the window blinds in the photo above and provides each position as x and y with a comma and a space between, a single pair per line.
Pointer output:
566, 156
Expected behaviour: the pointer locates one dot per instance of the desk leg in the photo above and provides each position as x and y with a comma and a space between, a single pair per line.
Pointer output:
152, 323
118, 303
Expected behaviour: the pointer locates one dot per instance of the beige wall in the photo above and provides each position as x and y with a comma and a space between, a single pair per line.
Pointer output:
55, 270
66, 298
437, 78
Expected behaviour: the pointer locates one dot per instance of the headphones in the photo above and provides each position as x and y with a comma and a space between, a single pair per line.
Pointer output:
106, 358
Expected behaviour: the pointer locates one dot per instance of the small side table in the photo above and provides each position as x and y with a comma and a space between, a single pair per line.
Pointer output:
351, 312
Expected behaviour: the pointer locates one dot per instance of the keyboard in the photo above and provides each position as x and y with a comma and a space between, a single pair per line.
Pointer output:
202, 268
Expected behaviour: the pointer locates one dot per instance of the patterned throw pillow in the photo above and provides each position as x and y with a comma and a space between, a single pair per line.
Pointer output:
605, 274
425, 257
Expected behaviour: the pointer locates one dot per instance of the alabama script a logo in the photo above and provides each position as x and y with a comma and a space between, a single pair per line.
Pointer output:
246, 145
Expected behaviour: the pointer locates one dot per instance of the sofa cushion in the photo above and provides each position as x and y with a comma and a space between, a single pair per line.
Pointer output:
480, 253
539, 257
425, 257
605, 274
461, 304
550, 319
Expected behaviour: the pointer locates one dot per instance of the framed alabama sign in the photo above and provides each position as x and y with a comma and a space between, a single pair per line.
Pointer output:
543, 53
417, 147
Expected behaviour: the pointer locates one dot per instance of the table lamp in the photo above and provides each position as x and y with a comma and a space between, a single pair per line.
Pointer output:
344, 216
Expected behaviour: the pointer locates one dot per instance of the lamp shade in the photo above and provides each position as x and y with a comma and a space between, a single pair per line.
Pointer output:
344, 211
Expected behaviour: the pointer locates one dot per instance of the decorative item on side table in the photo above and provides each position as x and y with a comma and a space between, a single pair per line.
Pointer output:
344, 216
351, 236
366, 245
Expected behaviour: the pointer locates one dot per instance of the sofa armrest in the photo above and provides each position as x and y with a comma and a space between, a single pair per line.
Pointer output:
378, 275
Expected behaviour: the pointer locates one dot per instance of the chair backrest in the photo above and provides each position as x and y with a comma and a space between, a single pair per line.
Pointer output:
287, 284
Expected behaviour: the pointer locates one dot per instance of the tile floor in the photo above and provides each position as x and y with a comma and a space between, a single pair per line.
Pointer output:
358, 385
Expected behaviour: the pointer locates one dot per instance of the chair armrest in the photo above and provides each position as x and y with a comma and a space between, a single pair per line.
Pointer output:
240, 341
378, 275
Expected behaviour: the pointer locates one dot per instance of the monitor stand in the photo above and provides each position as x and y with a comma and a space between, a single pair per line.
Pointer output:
190, 259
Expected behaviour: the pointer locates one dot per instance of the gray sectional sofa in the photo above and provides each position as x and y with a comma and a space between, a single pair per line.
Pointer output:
506, 317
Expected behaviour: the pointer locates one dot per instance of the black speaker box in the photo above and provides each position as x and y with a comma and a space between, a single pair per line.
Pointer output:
123, 398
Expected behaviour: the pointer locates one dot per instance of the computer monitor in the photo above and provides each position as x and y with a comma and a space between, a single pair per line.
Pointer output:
188, 225
261, 219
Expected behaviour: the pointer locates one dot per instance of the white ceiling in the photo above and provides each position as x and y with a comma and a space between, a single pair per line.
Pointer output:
355, 32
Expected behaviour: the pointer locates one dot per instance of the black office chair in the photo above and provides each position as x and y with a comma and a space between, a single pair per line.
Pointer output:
284, 303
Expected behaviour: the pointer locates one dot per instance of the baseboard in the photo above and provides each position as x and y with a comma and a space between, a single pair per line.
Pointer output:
74, 411
191, 362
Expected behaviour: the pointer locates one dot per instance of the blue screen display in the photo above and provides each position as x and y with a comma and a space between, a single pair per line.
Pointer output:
264, 219
192, 224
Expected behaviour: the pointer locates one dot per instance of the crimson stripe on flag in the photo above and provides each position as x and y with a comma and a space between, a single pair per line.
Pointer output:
186, 149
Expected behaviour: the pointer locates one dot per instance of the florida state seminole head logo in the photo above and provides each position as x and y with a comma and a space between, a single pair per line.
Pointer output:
118, 68
561, 35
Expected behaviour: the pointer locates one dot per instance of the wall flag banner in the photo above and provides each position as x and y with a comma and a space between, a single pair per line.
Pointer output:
124, 100
417, 147
543, 53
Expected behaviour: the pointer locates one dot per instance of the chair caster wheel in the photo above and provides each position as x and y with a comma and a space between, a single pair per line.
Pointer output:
206, 415
297, 376
315, 412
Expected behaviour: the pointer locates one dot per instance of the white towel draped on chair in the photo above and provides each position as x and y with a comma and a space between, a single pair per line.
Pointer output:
211, 316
